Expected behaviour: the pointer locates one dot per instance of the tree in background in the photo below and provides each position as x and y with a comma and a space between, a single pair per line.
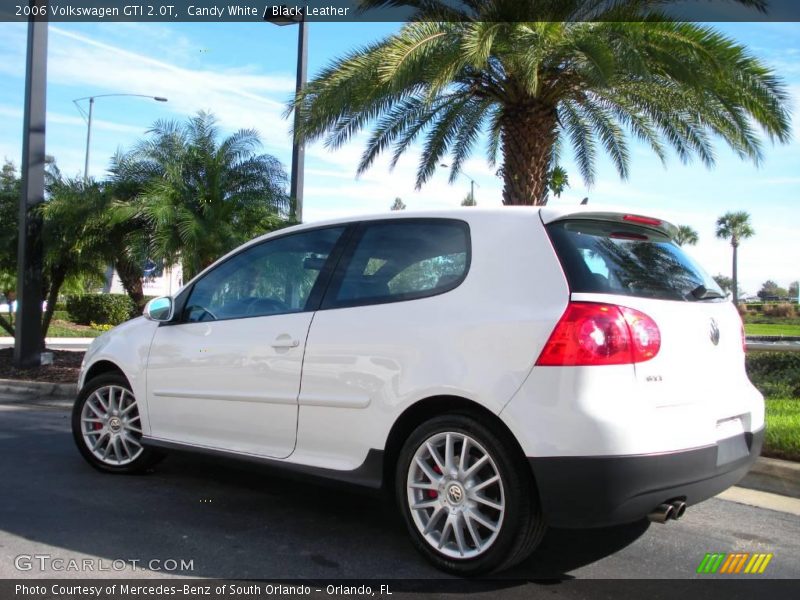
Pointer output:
725, 283
735, 227
469, 200
9, 214
398, 204
76, 244
771, 290
558, 181
686, 236
126, 224
537, 76
200, 196
72, 235
793, 290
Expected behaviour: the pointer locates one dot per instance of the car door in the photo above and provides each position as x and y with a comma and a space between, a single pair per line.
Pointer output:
226, 374
382, 331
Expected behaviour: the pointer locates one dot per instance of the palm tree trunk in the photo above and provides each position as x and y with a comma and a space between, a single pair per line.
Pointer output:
6, 325
735, 275
528, 136
131, 278
56, 282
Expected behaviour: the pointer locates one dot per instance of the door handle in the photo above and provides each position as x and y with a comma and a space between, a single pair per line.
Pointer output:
285, 341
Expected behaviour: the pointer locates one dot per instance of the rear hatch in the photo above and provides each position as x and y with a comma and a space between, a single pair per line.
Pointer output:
629, 260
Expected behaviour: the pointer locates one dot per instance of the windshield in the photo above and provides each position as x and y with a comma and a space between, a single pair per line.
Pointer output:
618, 258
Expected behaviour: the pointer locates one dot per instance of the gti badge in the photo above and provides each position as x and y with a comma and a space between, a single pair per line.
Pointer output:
714, 332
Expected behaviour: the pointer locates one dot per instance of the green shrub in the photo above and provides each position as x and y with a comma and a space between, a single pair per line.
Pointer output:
60, 315
103, 309
775, 374
104, 327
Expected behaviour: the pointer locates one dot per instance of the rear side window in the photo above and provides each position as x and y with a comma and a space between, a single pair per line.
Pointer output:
617, 258
403, 260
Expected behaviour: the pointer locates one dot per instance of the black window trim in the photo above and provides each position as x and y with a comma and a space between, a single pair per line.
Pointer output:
315, 297
329, 301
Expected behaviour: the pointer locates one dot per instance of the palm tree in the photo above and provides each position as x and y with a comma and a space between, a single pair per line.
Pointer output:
74, 237
10, 189
685, 235
199, 196
536, 76
735, 226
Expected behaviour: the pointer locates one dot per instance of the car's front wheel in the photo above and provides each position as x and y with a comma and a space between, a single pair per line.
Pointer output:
467, 496
107, 426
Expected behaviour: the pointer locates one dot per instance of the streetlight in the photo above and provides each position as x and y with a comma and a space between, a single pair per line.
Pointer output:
88, 118
28, 339
298, 149
472, 182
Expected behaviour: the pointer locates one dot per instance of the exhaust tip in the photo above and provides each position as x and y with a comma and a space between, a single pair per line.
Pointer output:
678, 508
661, 513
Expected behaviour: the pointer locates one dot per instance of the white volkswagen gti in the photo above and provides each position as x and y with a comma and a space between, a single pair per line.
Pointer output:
498, 370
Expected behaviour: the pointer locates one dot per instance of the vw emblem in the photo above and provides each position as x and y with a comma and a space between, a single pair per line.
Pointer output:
114, 424
455, 493
714, 332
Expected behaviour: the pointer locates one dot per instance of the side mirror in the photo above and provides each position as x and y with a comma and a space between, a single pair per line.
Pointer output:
159, 309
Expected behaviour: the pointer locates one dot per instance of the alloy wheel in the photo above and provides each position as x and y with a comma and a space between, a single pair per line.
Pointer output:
111, 427
456, 495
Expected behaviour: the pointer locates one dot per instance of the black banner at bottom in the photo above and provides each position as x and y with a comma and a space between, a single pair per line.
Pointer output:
394, 589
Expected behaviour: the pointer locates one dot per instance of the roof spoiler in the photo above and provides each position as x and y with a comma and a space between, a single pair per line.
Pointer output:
630, 218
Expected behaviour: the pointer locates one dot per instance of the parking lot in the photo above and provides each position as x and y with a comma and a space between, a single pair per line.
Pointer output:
239, 521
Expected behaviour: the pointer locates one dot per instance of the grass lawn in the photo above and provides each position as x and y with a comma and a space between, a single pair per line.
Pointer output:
783, 428
771, 329
60, 328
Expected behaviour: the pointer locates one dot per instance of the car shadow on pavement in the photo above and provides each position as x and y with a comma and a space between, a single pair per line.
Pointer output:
230, 519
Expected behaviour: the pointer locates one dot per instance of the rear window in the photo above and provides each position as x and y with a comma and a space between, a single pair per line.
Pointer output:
617, 258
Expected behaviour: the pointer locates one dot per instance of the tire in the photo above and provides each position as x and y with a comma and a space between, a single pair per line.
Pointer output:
445, 493
107, 429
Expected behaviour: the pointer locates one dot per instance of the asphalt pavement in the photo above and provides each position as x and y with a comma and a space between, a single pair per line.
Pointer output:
241, 521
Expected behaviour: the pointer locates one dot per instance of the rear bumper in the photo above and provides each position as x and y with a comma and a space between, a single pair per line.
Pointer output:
587, 491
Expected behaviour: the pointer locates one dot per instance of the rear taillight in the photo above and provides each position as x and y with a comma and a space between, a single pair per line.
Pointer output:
591, 333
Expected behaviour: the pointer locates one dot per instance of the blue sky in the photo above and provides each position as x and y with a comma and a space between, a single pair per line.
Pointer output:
244, 73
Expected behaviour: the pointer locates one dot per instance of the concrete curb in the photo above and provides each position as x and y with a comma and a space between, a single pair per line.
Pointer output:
774, 476
38, 389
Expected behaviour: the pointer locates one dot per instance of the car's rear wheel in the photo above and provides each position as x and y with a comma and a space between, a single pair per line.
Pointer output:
467, 496
107, 426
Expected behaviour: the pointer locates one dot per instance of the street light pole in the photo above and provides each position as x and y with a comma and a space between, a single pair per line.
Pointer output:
472, 183
88, 141
298, 148
28, 334
88, 117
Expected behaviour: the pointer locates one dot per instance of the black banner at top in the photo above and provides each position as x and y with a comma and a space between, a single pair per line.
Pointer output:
398, 10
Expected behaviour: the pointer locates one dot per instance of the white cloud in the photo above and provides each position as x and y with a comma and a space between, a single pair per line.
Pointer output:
237, 97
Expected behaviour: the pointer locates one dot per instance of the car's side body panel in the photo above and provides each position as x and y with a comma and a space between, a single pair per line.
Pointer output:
365, 365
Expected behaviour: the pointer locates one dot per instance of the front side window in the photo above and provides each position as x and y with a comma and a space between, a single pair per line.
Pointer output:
274, 277
404, 260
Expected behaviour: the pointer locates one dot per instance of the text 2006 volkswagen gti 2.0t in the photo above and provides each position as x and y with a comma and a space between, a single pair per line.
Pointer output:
499, 370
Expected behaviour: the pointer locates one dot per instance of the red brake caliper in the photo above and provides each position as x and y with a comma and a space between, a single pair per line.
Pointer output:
433, 493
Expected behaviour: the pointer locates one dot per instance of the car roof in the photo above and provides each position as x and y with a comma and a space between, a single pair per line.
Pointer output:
467, 213
547, 214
